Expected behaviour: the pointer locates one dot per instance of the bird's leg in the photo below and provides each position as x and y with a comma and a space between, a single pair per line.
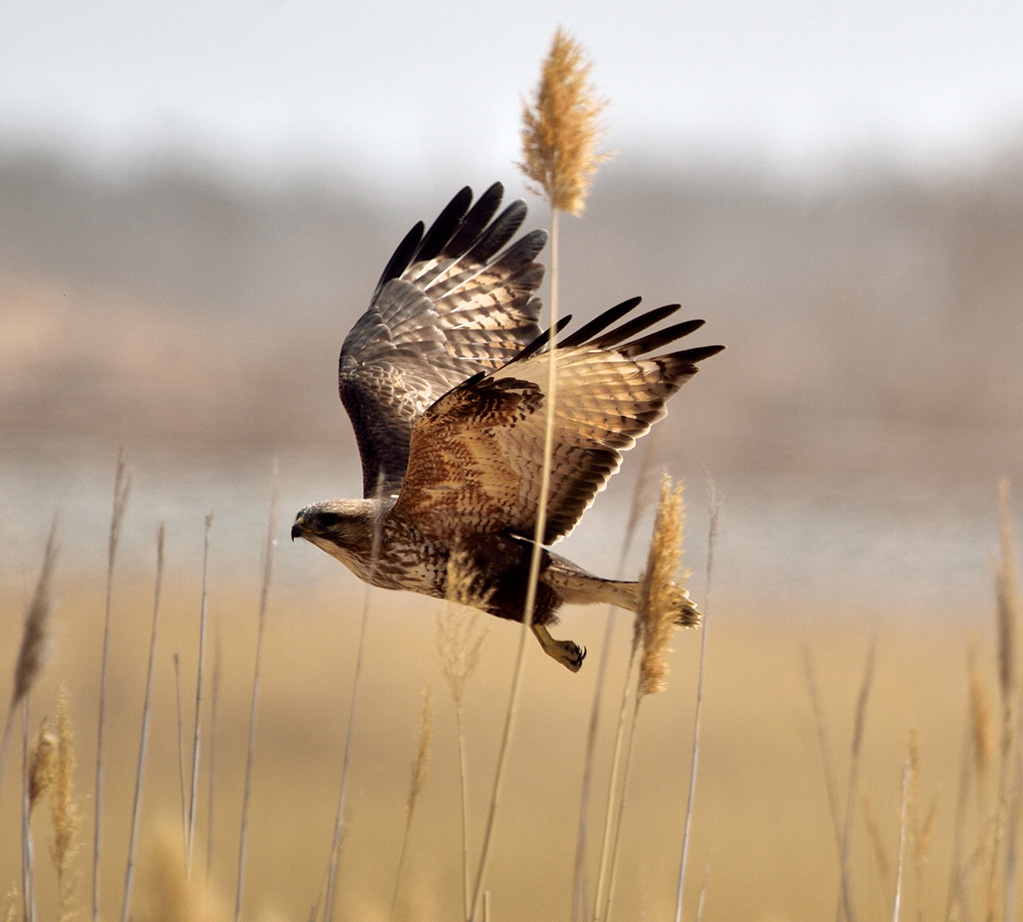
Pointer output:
566, 652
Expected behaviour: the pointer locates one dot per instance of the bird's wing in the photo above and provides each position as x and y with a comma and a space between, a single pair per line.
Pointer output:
448, 305
477, 453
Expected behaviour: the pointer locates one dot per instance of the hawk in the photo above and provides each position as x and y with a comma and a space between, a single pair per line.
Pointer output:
445, 380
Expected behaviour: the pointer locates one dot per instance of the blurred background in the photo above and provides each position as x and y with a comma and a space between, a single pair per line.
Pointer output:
195, 203
196, 200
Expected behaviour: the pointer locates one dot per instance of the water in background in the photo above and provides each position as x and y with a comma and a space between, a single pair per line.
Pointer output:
875, 546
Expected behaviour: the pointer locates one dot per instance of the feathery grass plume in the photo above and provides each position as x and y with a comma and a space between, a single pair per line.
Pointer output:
419, 764
31, 652
250, 755
136, 812
562, 129
65, 810
9, 911
659, 591
122, 489
461, 632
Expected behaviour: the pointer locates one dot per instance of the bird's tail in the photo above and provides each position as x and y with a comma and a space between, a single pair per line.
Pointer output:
577, 587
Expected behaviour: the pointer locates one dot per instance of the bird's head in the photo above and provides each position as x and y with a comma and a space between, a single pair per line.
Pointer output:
338, 525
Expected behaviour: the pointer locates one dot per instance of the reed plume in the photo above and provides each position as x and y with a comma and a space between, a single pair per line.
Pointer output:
65, 809
562, 128
659, 591
32, 650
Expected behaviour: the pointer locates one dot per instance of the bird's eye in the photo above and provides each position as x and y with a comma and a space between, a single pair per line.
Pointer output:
328, 519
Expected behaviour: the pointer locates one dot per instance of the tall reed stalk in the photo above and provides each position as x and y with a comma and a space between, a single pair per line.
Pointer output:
694, 762
193, 789
560, 134
250, 751
654, 625
122, 489
136, 811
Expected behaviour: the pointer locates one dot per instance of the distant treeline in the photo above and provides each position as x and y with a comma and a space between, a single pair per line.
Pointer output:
876, 303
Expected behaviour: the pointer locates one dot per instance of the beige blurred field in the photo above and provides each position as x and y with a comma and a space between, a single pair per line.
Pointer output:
764, 844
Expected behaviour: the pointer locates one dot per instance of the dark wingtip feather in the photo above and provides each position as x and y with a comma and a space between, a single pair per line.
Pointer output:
402, 256
446, 225
660, 338
478, 217
540, 341
599, 323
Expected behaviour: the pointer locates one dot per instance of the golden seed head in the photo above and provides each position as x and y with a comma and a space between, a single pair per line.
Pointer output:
562, 128
659, 590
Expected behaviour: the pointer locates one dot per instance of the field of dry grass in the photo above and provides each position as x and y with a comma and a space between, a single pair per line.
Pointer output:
764, 839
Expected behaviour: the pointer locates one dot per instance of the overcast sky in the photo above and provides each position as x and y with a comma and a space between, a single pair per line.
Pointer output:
382, 88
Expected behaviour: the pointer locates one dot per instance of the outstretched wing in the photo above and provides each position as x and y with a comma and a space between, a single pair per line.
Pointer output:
447, 306
477, 453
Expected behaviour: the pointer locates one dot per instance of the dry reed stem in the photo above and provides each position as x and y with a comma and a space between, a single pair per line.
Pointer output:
193, 791
714, 502
562, 128
461, 633
250, 752
334, 864
637, 507
27, 860
181, 751
560, 156
212, 761
827, 762
424, 743
136, 812
859, 726
908, 774
877, 840
652, 629
122, 489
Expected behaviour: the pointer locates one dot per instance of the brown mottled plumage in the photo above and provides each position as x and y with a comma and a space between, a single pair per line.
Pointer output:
444, 378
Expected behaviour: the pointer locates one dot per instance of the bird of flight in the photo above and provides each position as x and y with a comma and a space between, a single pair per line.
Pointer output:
444, 378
